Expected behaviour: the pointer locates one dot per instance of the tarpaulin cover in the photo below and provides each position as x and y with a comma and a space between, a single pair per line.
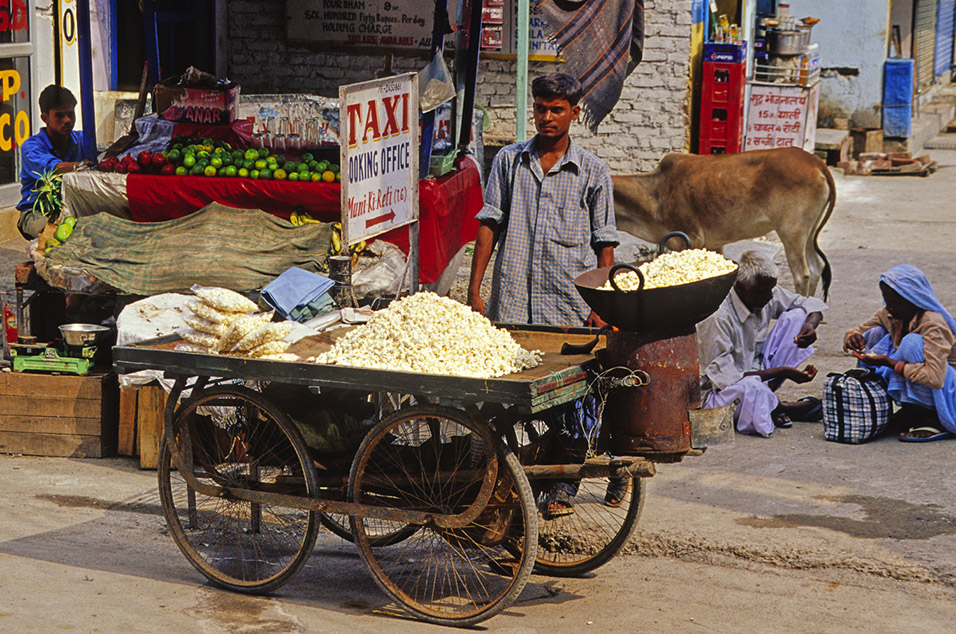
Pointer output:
241, 249
447, 206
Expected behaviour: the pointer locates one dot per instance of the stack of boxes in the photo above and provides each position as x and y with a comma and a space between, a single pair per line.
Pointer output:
722, 98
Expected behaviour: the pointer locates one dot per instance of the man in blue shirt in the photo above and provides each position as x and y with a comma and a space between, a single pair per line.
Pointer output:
549, 208
56, 147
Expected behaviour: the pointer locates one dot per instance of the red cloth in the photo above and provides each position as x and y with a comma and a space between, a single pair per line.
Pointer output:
238, 133
447, 206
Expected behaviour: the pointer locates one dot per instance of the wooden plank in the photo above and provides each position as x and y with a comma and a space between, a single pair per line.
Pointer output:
17, 406
149, 424
52, 425
53, 385
126, 441
62, 445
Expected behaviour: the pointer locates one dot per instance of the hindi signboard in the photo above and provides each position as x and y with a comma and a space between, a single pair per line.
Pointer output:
403, 25
782, 116
378, 141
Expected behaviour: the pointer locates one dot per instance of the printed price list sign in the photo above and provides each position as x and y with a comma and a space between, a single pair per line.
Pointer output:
379, 24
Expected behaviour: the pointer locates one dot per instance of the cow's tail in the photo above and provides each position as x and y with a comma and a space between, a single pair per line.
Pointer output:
827, 274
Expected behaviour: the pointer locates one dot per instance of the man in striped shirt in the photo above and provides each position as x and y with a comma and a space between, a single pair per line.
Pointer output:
549, 208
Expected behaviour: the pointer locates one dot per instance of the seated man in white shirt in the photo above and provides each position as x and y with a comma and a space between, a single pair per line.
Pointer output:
741, 357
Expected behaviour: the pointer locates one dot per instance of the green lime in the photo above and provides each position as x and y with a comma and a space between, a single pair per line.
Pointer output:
265, 175
216, 162
279, 174
253, 174
260, 164
263, 152
307, 156
189, 160
230, 170
322, 166
195, 170
293, 176
334, 167
209, 171
304, 175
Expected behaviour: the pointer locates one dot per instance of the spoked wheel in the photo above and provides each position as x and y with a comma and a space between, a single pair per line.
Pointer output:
438, 460
588, 537
380, 532
233, 437
593, 528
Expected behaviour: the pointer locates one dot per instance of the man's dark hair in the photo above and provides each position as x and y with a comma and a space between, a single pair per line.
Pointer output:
560, 85
54, 96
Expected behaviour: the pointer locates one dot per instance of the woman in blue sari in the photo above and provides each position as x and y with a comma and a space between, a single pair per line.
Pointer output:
912, 343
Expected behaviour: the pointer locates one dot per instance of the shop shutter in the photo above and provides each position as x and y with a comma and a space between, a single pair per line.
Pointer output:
944, 35
924, 38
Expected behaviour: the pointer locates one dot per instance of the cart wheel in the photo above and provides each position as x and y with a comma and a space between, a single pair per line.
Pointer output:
578, 542
439, 460
574, 544
380, 532
234, 437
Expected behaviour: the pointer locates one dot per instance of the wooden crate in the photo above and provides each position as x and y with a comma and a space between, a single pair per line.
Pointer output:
58, 415
141, 423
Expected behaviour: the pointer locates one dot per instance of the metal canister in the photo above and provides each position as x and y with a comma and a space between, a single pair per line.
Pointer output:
653, 418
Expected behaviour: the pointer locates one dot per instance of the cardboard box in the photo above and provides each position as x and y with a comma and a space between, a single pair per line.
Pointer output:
198, 105
58, 415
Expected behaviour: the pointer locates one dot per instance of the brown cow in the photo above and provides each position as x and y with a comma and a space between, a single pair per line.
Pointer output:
718, 199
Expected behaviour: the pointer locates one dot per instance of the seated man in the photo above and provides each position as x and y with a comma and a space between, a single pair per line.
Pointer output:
742, 358
56, 147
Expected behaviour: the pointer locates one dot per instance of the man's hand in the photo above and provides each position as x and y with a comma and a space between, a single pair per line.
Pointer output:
806, 336
594, 321
476, 303
854, 342
797, 376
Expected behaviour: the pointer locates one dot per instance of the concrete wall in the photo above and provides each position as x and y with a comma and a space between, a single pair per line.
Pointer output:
650, 120
853, 43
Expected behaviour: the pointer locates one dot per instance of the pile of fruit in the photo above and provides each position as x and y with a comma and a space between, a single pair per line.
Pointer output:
190, 156
63, 231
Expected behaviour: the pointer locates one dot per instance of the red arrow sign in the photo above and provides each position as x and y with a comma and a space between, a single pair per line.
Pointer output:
377, 220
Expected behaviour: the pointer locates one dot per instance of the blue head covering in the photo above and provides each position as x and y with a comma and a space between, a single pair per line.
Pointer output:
912, 285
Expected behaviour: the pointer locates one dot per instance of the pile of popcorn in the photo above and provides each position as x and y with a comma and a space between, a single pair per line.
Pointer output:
674, 268
225, 322
428, 334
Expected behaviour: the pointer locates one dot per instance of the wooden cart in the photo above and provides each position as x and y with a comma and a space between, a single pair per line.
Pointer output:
441, 496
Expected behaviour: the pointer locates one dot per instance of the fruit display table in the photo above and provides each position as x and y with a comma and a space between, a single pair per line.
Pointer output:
447, 205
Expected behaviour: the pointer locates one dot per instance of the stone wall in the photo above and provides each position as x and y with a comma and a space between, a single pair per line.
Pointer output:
650, 120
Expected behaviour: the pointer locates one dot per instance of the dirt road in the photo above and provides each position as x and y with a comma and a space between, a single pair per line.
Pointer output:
784, 534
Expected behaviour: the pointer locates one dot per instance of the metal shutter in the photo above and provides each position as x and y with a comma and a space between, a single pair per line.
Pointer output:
924, 42
944, 35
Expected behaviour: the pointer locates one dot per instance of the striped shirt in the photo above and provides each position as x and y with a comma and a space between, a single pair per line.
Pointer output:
550, 226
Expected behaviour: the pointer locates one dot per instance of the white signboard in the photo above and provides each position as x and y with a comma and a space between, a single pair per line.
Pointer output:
395, 24
378, 137
69, 53
782, 116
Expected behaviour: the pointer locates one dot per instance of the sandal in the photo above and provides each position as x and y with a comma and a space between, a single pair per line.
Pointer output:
557, 502
934, 434
782, 420
617, 490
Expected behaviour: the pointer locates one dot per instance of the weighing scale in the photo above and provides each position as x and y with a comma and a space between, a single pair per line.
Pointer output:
73, 354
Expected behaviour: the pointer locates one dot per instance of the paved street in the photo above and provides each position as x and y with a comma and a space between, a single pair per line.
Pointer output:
784, 534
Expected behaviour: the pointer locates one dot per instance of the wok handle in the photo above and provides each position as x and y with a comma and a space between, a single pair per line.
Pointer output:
673, 234
584, 348
614, 271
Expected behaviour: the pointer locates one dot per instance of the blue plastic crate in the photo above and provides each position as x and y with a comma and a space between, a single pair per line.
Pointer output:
725, 52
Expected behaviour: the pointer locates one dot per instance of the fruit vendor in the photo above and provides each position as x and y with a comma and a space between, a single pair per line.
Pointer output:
57, 147
549, 209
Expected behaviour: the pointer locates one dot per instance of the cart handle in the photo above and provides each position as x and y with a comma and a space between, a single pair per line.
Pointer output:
673, 234
630, 267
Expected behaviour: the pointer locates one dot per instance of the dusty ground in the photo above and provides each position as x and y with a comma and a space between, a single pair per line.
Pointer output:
784, 534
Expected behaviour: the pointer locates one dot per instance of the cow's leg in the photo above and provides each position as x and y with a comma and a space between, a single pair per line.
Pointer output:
794, 245
815, 265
